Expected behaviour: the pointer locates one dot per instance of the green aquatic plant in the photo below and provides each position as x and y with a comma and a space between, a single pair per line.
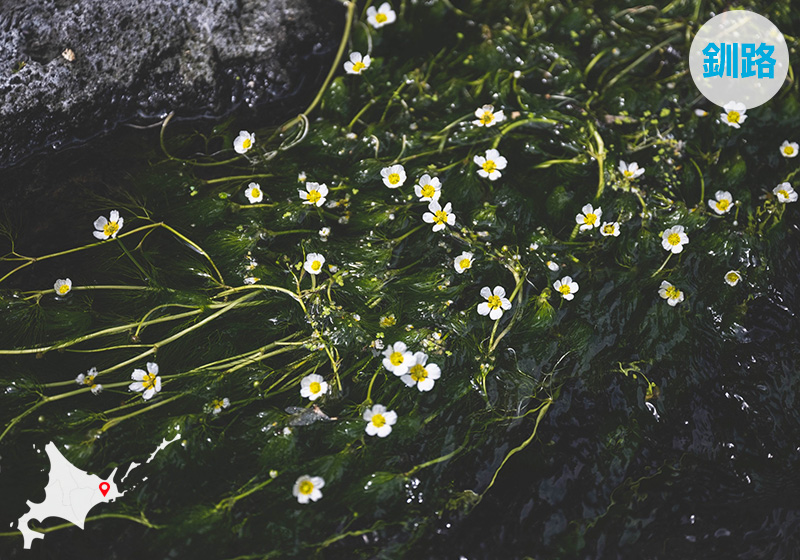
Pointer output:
453, 241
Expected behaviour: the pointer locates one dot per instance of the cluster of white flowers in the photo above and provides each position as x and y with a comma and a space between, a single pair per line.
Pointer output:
412, 368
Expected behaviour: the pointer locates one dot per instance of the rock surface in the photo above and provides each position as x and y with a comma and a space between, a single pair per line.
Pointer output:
145, 58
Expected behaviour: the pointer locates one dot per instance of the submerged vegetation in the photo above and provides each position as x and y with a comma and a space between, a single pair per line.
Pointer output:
509, 239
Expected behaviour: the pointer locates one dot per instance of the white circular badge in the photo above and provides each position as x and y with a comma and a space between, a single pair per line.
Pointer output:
740, 57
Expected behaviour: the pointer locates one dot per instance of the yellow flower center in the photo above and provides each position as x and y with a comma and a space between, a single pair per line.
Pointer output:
316, 265
428, 191
733, 116
314, 196
216, 403
255, 193
674, 239
247, 143
378, 420
487, 117
396, 358
381, 18
394, 178
489, 166
788, 150
440, 217
783, 193
590, 219
564, 289
732, 277
723, 204
315, 387
110, 228
88, 380
358, 66
609, 229
628, 173
418, 373
495, 302
63, 289
306, 487
149, 381
673, 293
465, 263
388, 321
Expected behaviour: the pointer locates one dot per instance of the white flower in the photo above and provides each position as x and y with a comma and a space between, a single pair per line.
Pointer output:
491, 164
723, 202
496, 302
610, 228
314, 193
217, 405
393, 176
670, 293
108, 228
421, 374
732, 277
147, 381
254, 193
313, 386
674, 238
553, 266
463, 261
438, 216
62, 287
88, 379
382, 16
590, 217
785, 193
357, 63
324, 233
307, 488
314, 262
243, 142
397, 358
379, 420
428, 188
566, 287
734, 114
630, 170
700, 113
487, 116
789, 149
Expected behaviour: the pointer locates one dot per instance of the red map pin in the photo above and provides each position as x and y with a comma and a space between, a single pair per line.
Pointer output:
104, 488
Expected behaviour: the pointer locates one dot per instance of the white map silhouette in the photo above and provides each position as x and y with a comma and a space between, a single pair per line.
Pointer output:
71, 493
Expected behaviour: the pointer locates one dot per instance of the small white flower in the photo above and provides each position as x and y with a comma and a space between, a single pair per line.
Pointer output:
630, 170
108, 227
393, 176
62, 287
250, 280
674, 238
723, 202
590, 217
670, 293
357, 63
428, 188
313, 386
732, 277
438, 216
789, 149
243, 142
397, 358
314, 262
324, 233
307, 488
734, 114
490, 164
517, 74
147, 381
420, 374
553, 266
379, 420
486, 116
88, 379
217, 405
610, 228
785, 193
566, 287
382, 16
496, 302
301, 177
701, 113
463, 261
314, 193
254, 193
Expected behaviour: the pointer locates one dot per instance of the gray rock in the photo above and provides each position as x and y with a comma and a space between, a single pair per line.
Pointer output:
145, 58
